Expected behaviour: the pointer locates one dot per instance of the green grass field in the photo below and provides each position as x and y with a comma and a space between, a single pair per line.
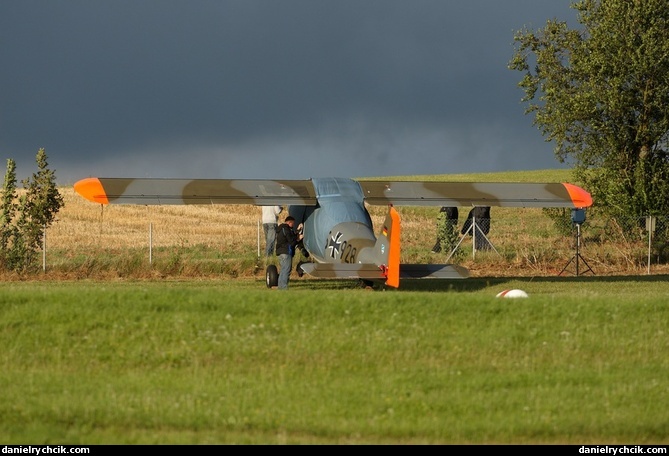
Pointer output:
582, 360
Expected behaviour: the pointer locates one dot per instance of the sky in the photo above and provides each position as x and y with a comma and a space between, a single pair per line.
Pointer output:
267, 89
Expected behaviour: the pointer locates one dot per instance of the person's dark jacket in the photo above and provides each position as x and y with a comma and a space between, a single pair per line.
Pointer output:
482, 214
286, 240
451, 213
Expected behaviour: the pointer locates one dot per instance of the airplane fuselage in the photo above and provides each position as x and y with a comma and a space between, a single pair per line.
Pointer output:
339, 228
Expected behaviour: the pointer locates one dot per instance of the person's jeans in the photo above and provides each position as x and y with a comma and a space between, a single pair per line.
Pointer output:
270, 237
285, 265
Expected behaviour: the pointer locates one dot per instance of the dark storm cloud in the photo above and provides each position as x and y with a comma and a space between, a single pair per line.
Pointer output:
267, 88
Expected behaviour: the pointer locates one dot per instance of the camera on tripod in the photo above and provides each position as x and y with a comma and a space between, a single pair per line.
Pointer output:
578, 216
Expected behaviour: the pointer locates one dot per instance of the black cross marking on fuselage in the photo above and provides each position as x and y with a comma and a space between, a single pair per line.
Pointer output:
334, 244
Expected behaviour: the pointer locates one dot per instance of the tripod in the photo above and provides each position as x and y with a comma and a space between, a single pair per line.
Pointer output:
473, 229
577, 256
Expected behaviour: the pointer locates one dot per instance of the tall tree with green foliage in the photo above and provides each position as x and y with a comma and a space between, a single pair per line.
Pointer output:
37, 207
23, 224
7, 213
601, 94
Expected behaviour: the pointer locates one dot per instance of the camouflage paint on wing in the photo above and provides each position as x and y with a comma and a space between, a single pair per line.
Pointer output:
463, 194
302, 192
196, 191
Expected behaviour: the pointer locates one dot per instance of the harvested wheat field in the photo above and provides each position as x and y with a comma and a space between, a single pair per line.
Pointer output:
225, 241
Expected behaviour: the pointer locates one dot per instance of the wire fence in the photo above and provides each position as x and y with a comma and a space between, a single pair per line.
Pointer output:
511, 241
614, 244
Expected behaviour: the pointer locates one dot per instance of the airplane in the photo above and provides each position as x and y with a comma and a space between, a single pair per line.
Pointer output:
337, 228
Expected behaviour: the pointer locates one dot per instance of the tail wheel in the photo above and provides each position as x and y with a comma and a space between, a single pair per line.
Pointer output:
272, 276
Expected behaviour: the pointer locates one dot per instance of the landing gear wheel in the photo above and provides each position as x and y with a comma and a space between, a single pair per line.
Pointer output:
272, 276
366, 284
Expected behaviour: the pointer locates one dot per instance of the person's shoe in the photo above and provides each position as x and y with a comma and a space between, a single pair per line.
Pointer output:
436, 248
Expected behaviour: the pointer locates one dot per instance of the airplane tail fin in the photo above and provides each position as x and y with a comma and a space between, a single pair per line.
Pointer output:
387, 248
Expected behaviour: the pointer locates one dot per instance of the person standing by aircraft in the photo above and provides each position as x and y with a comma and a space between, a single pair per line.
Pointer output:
286, 243
270, 218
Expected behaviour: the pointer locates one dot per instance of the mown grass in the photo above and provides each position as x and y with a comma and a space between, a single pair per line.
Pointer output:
107, 347
582, 360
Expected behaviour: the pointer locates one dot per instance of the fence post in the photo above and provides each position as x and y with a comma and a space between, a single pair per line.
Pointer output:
650, 227
44, 249
474, 238
649, 247
151, 243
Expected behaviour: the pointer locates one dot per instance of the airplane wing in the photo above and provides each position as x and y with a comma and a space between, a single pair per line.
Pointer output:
302, 192
464, 194
261, 192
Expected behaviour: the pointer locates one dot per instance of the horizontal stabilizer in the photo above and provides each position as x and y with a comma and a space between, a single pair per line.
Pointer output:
433, 271
373, 272
343, 271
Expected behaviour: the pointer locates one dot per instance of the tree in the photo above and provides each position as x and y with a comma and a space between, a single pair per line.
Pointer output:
42, 200
601, 94
37, 207
7, 213
22, 224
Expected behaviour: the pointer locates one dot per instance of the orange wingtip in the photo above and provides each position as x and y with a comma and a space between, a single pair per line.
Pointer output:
91, 188
578, 196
